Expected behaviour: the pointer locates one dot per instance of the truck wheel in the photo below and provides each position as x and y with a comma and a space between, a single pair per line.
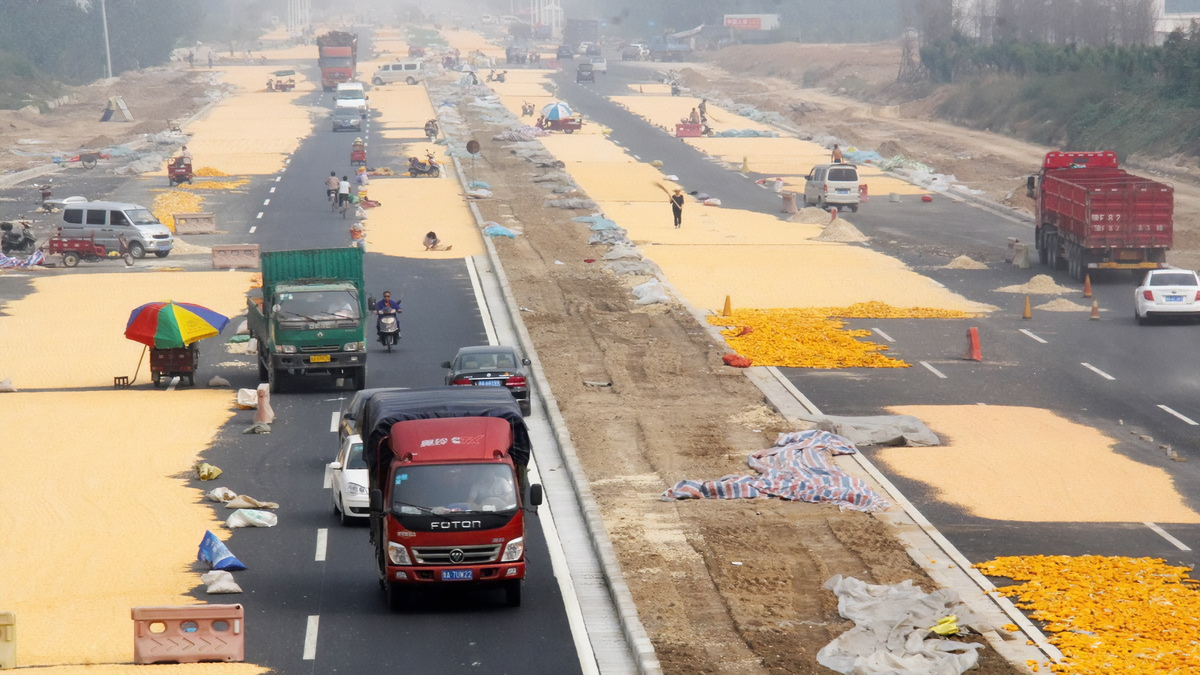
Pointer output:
512, 593
397, 597
157, 377
360, 378
263, 376
275, 381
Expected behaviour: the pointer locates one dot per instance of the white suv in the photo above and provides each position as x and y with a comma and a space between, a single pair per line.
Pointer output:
407, 71
832, 185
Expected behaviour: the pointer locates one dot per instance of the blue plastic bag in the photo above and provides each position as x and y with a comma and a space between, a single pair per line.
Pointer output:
214, 552
500, 231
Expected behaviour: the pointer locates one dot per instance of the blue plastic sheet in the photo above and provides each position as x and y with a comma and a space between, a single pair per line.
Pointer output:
499, 231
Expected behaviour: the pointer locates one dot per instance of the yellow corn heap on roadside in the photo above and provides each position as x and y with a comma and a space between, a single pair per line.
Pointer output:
814, 337
1109, 615
209, 172
216, 185
166, 204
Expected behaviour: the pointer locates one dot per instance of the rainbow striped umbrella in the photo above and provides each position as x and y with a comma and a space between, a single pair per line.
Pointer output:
167, 325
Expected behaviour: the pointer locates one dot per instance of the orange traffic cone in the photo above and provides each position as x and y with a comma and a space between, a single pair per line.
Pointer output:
728, 311
1095, 311
974, 353
1028, 313
1087, 286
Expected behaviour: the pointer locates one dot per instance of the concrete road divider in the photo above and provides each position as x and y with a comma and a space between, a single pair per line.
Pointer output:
240, 256
188, 634
195, 223
8, 640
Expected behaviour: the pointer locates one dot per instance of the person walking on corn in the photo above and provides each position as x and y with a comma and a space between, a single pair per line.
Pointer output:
677, 206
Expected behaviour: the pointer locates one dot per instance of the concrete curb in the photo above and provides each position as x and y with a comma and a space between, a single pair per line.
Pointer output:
634, 632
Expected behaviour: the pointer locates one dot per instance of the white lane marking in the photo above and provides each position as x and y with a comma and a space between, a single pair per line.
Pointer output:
333, 421
288, 160
259, 216
327, 482
562, 573
174, 383
1179, 415
1097, 371
636, 157
933, 370
253, 228
266, 202
1034, 336
272, 190
310, 638
278, 178
322, 540
883, 335
1163, 533
493, 339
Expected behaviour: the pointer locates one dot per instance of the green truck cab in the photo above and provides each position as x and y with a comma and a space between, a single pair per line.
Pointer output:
310, 315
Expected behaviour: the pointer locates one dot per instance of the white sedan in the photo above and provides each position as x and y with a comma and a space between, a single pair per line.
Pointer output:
347, 475
1168, 292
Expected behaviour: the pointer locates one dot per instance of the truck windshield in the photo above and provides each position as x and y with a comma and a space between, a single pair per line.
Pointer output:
336, 62
454, 488
328, 305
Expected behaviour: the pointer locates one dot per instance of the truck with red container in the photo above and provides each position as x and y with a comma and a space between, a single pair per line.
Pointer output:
337, 57
448, 489
1092, 214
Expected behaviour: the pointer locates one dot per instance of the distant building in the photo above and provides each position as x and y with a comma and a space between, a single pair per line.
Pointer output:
1173, 14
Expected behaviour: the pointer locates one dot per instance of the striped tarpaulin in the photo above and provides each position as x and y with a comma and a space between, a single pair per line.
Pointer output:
798, 468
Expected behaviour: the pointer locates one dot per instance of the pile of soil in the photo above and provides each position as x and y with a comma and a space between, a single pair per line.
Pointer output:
1063, 305
841, 231
810, 215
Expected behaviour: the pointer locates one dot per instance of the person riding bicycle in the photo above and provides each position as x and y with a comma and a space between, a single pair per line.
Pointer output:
331, 185
344, 192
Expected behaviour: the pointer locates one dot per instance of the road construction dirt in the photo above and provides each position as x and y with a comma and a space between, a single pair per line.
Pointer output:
674, 411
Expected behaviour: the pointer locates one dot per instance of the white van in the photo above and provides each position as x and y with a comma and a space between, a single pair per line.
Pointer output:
110, 221
832, 185
350, 95
407, 71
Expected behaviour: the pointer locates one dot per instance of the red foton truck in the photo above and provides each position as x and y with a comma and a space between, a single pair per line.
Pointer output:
1092, 214
448, 489
337, 57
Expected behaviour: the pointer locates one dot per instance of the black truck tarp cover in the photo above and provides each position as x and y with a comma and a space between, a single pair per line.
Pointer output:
389, 407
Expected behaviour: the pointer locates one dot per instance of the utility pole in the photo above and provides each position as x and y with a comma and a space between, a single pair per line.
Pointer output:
107, 51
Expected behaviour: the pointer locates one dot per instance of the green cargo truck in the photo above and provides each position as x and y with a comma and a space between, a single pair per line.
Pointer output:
309, 317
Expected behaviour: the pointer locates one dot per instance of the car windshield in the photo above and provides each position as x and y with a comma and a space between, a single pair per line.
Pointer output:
486, 360
453, 488
336, 304
1173, 279
349, 95
354, 459
141, 217
843, 174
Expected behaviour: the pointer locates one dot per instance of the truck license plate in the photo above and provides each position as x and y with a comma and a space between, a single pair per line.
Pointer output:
319, 358
456, 575
488, 383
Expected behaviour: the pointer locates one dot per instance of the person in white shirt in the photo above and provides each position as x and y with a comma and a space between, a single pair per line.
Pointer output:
344, 191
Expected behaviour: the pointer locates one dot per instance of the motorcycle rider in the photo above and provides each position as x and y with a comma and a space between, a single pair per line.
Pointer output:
385, 306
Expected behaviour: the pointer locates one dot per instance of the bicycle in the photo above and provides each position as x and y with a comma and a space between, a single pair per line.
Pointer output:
342, 204
331, 195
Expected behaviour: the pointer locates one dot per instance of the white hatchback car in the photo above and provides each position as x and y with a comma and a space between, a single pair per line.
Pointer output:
1168, 292
347, 475
599, 65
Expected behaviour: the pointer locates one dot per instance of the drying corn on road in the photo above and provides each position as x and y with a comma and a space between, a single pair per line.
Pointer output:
1013, 421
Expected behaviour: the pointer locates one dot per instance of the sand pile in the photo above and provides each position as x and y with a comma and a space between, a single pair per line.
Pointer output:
841, 231
810, 215
183, 248
963, 262
1063, 305
1042, 284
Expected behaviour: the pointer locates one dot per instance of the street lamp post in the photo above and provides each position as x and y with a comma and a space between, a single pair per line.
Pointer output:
107, 50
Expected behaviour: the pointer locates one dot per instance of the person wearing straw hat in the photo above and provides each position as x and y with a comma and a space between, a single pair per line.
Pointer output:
677, 206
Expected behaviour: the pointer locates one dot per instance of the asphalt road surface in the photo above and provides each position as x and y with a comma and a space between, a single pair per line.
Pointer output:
1111, 374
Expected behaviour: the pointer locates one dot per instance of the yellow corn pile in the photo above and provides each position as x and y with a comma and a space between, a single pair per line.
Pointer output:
209, 172
217, 185
813, 337
168, 203
1109, 615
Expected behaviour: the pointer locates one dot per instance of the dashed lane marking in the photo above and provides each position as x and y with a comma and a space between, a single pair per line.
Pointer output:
322, 540
253, 228
333, 421
1178, 414
1034, 336
1097, 371
259, 216
933, 370
272, 190
1163, 533
310, 638
883, 335
266, 202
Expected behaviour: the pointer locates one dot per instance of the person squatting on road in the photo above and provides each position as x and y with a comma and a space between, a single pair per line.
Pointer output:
677, 207
432, 243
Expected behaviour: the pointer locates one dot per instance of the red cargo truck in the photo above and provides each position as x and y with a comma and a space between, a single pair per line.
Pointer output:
448, 489
337, 57
1092, 214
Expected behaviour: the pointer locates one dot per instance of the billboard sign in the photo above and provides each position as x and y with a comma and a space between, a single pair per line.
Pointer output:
752, 21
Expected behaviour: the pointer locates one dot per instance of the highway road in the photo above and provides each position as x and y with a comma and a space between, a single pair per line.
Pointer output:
1111, 374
